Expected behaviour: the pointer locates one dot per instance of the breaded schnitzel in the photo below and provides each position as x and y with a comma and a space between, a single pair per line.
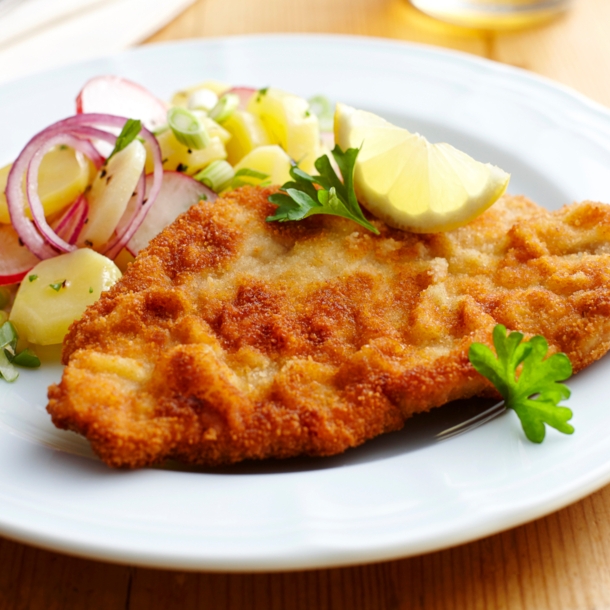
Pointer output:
231, 338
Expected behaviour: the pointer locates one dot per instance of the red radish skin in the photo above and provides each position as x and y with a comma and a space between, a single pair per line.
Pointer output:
16, 259
178, 193
121, 97
244, 94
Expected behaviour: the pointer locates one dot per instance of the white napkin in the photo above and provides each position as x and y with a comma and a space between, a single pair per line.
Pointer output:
37, 35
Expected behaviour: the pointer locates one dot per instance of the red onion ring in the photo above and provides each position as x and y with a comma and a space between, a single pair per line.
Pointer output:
114, 246
36, 207
120, 237
72, 222
75, 131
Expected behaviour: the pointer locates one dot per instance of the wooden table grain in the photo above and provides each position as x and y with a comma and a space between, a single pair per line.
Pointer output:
559, 562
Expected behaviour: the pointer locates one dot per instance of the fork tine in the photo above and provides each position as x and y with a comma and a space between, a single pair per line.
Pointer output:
473, 422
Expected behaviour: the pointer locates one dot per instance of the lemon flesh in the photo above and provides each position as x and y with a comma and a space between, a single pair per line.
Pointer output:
270, 160
410, 183
290, 124
62, 177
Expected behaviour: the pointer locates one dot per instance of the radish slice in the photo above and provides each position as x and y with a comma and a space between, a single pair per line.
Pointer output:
121, 97
70, 225
178, 193
244, 94
16, 259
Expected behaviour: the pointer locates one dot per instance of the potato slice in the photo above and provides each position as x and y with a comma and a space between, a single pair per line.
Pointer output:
57, 291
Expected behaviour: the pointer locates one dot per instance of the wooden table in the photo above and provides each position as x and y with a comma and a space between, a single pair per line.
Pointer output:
561, 561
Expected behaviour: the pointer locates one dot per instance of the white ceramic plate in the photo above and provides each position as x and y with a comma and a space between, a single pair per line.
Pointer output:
398, 495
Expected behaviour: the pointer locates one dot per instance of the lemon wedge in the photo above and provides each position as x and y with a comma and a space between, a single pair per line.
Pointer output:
290, 123
410, 183
62, 177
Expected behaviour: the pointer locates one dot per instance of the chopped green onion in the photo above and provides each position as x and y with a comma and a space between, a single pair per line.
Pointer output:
252, 173
7, 370
57, 286
187, 128
32, 277
160, 130
246, 172
323, 109
8, 337
27, 358
5, 297
226, 106
216, 175
9, 355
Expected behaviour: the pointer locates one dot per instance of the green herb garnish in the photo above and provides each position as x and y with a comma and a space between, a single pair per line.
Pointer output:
8, 338
9, 356
301, 198
26, 358
57, 285
128, 134
535, 394
260, 93
32, 277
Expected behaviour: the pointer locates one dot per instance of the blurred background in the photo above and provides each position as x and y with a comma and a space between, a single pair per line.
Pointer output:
568, 46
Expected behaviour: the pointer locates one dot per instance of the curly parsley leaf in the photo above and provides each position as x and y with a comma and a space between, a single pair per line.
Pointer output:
535, 394
301, 197
128, 134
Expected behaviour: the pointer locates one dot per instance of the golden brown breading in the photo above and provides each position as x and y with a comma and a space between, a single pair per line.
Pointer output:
231, 338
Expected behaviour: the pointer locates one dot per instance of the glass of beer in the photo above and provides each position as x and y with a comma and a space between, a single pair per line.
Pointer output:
492, 14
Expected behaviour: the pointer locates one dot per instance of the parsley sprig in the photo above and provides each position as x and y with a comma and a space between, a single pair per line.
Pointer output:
9, 357
300, 197
535, 394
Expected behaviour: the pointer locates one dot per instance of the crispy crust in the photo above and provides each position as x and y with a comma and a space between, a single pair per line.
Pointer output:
231, 338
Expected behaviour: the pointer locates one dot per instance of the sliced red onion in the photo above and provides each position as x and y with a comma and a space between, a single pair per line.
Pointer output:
113, 249
119, 239
36, 207
34, 241
71, 223
76, 132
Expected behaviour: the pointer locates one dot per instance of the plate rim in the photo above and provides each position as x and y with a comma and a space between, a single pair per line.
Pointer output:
596, 479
